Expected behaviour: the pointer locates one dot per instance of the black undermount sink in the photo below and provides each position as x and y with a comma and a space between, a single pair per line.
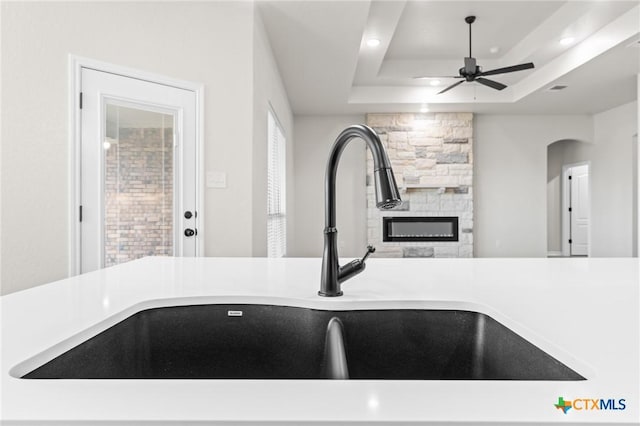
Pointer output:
278, 342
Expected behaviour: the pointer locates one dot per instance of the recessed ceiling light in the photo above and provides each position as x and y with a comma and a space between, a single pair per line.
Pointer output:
373, 42
494, 49
424, 108
565, 41
435, 82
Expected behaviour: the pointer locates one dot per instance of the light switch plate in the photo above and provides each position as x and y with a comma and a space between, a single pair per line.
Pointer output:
216, 179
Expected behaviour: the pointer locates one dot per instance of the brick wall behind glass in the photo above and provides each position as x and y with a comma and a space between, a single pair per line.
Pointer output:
139, 195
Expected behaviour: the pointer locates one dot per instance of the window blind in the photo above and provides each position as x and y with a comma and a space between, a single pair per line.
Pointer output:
276, 185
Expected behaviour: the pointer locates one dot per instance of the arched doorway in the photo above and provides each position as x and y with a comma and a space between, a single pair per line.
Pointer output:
568, 198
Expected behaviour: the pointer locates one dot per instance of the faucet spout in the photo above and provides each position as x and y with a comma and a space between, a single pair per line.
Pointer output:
387, 196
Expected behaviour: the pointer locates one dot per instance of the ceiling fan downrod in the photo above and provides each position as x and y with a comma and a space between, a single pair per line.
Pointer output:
470, 20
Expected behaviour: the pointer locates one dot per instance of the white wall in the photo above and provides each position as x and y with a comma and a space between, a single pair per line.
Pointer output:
612, 183
314, 136
510, 157
510, 225
554, 193
268, 90
510, 182
612, 179
207, 42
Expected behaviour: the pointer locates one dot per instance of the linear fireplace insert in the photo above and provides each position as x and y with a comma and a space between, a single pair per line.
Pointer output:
420, 228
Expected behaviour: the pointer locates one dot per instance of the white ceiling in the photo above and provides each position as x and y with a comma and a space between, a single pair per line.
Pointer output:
327, 67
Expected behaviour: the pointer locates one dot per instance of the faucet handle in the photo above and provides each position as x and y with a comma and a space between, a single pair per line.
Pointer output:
370, 249
354, 267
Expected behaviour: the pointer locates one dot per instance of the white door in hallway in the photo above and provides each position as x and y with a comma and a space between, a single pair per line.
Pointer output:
579, 189
138, 170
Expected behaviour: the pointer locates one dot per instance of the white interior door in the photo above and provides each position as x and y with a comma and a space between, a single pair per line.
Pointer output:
579, 210
138, 170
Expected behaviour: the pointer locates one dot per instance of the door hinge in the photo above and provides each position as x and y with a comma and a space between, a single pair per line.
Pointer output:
80, 213
569, 208
80, 100
570, 242
569, 177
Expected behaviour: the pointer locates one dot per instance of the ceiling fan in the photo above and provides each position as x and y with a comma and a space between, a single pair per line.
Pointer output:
472, 72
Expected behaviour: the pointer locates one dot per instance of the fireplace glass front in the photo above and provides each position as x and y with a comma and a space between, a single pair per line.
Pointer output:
420, 228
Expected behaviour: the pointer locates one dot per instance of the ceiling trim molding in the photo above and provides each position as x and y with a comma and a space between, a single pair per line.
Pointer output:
616, 32
571, 11
611, 35
381, 24
468, 93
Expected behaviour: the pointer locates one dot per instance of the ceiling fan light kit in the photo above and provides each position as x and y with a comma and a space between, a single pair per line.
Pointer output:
472, 72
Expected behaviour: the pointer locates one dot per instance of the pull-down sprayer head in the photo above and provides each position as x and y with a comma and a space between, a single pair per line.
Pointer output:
387, 195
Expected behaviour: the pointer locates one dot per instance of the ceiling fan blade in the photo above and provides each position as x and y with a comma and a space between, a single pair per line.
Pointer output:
512, 68
451, 87
420, 77
490, 83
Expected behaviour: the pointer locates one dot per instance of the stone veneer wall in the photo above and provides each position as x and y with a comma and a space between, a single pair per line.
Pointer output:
432, 158
139, 195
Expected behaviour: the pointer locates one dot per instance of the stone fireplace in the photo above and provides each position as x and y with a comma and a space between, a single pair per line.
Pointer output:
432, 158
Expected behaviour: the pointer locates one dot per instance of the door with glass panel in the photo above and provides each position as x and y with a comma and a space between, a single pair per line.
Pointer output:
138, 170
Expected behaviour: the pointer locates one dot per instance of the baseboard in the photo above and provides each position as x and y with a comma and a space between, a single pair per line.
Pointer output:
554, 254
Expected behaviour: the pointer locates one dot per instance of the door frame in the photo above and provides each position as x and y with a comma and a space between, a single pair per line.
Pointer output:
635, 243
75, 65
566, 218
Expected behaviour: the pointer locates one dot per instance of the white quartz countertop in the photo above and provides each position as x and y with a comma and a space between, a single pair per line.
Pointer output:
584, 312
